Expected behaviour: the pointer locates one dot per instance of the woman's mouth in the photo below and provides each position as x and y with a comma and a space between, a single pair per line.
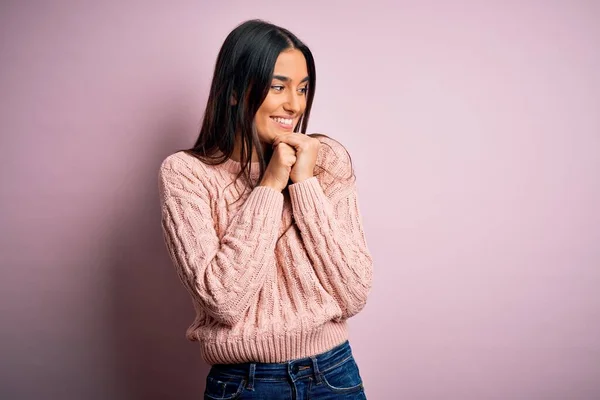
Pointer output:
283, 123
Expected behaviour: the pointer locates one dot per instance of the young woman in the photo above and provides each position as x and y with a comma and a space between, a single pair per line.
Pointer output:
263, 226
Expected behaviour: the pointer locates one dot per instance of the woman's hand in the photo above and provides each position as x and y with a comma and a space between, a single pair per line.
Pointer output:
306, 149
278, 171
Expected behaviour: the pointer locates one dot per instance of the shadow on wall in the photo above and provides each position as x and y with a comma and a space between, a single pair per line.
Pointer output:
151, 309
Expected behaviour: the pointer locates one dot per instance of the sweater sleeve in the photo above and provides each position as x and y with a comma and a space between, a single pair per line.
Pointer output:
330, 225
223, 275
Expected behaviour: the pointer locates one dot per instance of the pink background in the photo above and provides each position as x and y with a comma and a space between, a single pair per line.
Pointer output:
475, 132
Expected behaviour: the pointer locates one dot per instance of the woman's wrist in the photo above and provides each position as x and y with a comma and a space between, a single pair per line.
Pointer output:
301, 178
266, 182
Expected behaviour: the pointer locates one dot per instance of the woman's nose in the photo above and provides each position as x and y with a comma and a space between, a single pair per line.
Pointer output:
292, 103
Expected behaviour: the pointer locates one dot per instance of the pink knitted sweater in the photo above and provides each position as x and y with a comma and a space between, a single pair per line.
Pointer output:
263, 292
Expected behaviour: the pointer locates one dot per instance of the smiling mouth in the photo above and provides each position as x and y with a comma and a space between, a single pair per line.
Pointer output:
285, 123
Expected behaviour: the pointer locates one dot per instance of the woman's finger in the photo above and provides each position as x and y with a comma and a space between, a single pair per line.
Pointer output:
294, 139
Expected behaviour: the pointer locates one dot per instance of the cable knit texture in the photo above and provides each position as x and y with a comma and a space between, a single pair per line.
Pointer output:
273, 276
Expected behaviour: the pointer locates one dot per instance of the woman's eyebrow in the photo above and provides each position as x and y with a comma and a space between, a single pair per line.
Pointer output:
286, 79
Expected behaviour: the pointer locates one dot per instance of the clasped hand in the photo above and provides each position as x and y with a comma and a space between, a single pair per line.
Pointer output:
306, 149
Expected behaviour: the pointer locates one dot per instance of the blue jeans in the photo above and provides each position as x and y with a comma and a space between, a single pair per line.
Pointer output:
330, 375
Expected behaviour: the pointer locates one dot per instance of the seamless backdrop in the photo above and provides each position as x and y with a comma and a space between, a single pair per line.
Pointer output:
474, 128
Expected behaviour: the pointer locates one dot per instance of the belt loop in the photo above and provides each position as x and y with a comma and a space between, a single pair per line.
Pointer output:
316, 369
250, 385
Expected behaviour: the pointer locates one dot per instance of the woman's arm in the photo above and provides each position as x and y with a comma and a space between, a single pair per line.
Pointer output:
330, 224
224, 276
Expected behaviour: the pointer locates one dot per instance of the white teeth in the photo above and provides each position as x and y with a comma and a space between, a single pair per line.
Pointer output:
285, 121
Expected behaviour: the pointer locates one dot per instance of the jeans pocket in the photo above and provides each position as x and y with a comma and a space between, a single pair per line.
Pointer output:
343, 378
223, 387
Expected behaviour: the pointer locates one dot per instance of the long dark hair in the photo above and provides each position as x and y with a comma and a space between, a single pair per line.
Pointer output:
241, 82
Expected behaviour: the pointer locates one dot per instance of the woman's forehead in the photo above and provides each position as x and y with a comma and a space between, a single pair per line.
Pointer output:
290, 64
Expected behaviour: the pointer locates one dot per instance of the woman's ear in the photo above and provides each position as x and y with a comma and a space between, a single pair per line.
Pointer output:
233, 99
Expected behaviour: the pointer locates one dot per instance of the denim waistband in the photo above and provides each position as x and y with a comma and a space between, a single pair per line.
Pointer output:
294, 368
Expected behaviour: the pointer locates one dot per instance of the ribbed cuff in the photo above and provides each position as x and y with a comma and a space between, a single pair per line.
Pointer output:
307, 196
265, 199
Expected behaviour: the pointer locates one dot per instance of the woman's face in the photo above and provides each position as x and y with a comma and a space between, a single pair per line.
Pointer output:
286, 101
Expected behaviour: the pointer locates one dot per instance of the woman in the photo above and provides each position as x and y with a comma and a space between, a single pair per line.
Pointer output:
263, 227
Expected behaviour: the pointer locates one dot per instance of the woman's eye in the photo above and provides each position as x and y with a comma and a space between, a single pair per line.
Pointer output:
303, 90
277, 88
